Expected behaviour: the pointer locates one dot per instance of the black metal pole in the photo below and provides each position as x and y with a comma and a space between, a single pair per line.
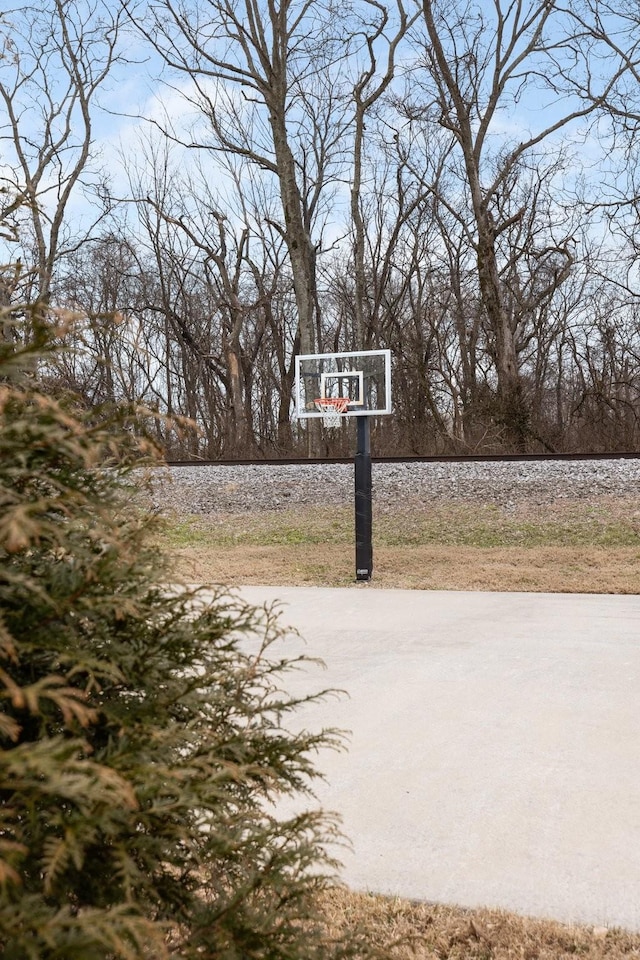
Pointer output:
364, 547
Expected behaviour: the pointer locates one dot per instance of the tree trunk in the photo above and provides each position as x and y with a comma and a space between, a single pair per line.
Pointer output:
301, 251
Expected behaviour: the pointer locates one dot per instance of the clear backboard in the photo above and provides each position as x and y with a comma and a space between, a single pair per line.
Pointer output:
355, 384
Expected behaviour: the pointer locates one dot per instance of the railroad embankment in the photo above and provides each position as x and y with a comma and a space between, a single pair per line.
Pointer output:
210, 489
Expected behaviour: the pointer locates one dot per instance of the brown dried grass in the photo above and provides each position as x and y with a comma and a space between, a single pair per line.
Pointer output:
566, 548
532, 569
424, 931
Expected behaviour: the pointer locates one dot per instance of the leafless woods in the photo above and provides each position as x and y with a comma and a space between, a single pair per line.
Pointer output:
457, 182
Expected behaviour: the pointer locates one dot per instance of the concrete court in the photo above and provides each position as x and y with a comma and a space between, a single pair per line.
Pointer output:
495, 744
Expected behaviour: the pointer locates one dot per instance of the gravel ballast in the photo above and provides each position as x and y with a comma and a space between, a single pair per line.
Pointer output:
211, 489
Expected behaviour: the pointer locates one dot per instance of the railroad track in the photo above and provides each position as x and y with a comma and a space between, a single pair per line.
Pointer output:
491, 458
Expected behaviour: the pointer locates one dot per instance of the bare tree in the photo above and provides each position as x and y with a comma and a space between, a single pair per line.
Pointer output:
258, 74
265, 76
56, 56
368, 90
482, 60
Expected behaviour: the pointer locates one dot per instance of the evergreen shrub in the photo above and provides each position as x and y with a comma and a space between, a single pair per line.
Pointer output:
143, 740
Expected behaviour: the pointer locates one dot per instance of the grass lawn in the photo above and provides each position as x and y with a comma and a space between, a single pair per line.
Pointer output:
577, 547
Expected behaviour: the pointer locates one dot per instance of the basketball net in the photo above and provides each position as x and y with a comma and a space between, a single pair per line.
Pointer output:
332, 409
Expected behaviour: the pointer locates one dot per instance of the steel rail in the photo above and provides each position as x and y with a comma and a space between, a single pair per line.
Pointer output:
463, 458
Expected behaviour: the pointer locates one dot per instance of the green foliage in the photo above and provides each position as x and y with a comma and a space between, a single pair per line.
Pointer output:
143, 740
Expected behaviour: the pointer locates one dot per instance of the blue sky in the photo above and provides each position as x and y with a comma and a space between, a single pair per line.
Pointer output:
134, 96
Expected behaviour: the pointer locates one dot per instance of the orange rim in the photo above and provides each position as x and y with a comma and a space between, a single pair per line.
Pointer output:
336, 404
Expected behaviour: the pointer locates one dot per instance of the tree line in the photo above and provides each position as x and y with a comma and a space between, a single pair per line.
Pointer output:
456, 182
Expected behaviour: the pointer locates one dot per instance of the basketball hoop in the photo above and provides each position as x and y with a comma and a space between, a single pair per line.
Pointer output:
357, 384
332, 409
